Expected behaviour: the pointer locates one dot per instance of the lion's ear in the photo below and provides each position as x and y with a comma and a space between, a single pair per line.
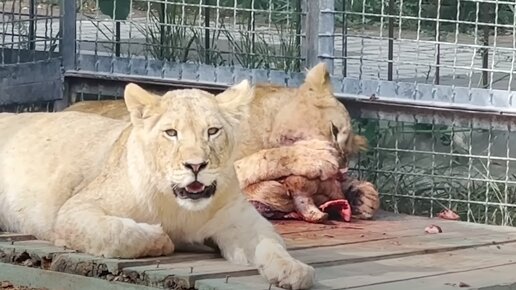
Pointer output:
318, 77
140, 103
236, 100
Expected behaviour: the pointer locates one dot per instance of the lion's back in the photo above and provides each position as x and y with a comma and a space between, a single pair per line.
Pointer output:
65, 136
44, 156
115, 109
268, 100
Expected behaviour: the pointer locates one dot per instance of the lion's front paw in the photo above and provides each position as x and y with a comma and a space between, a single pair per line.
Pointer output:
158, 242
289, 273
112, 237
315, 159
363, 198
279, 268
136, 240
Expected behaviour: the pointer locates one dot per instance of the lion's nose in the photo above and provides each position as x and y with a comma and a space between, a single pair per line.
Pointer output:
196, 167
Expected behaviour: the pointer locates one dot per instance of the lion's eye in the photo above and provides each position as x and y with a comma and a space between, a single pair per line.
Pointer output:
213, 130
334, 131
171, 132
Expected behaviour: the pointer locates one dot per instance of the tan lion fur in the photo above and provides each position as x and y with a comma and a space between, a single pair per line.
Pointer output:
106, 186
281, 115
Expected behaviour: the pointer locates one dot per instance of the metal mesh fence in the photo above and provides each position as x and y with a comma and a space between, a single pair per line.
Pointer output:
30, 60
467, 43
464, 51
29, 30
422, 167
249, 34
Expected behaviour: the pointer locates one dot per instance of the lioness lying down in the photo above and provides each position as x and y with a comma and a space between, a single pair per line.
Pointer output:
140, 188
281, 116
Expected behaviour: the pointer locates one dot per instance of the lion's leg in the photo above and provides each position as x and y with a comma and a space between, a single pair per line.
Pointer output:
244, 236
313, 160
362, 196
84, 226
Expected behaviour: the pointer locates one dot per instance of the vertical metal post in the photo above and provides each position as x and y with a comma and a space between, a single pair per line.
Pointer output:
311, 29
485, 18
326, 33
297, 11
207, 31
68, 33
438, 62
117, 38
163, 24
67, 48
390, 54
344, 39
252, 29
32, 24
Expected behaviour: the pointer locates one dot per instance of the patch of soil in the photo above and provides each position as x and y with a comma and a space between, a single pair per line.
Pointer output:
6, 285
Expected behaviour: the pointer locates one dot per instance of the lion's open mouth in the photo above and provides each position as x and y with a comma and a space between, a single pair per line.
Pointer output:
195, 190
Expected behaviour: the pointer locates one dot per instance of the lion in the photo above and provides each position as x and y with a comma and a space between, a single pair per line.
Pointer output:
282, 116
311, 113
147, 186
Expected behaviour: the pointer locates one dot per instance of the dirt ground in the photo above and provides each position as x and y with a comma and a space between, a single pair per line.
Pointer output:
6, 285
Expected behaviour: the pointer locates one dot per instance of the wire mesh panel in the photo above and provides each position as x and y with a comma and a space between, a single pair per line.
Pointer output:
152, 37
29, 30
467, 43
454, 56
422, 166
29, 51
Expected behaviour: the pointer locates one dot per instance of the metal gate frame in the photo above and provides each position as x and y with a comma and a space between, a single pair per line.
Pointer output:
29, 75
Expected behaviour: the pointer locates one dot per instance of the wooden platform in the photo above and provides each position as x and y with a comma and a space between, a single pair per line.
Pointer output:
391, 252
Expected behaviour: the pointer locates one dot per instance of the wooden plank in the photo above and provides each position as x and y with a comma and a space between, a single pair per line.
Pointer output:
34, 253
408, 246
181, 273
377, 273
391, 237
377, 224
185, 274
380, 272
39, 278
87, 265
13, 237
40, 247
486, 278
300, 235
66, 259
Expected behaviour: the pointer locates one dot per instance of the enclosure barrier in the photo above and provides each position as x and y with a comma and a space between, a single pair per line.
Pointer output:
429, 82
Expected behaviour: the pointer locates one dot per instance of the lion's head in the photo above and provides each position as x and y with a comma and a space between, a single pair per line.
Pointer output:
315, 113
183, 141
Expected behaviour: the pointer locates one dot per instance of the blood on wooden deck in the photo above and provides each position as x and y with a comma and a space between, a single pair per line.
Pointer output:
390, 252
